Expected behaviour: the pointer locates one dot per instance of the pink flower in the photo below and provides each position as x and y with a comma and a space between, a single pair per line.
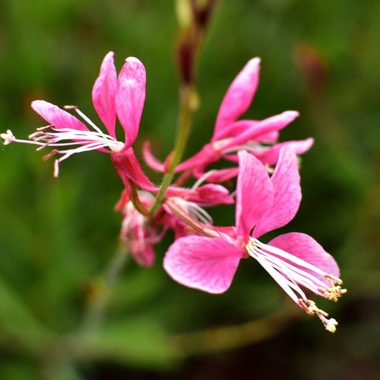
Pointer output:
231, 135
122, 96
263, 203
114, 97
138, 233
131, 174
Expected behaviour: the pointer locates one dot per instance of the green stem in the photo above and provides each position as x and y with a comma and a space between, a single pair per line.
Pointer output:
61, 355
97, 308
184, 124
228, 338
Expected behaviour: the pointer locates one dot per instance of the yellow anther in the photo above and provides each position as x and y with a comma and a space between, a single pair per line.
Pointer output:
333, 280
311, 308
335, 290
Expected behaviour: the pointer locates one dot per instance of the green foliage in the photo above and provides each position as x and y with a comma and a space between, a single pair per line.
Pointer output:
136, 342
56, 235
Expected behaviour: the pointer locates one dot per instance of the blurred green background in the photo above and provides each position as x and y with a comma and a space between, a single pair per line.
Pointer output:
56, 235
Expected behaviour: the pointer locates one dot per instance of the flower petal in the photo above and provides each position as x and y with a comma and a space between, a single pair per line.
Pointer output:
150, 159
129, 169
211, 195
56, 116
206, 195
104, 92
200, 160
253, 126
222, 175
142, 252
207, 264
287, 193
254, 193
307, 249
271, 155
270, 137
239, 95
261, 129
234, 129
130, 97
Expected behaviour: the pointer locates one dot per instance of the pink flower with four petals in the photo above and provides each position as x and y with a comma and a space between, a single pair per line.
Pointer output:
232, 135
112, 96
263, 203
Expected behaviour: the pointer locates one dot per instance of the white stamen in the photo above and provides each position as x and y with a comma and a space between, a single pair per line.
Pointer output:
291, 272
72, 140
219, 144
294, 273
250, 146
194, 210
311, 308
85, 118
202, 179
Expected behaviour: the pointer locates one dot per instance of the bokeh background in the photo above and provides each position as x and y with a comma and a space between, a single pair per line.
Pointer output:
56, 235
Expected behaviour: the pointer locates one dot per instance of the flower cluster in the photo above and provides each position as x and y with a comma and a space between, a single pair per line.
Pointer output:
267, 195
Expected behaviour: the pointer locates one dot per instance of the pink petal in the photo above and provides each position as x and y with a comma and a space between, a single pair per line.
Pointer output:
234, 129
130, 97
129, 169
180, 229
233, 157
287, 193
206, 156
104, 92
56, 116
152, 161
269, 125
239, 95
254, 193
142, 252
307, 249
203, 263
251, 128
206, 195
271, 155
125, 197
211, 195
270, 137
222, 175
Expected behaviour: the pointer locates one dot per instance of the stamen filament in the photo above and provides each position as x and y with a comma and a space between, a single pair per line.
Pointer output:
85, 118
79, 140
252, 146
286, 284
296, 260
302, 275
291, 272
202, 179
194, 210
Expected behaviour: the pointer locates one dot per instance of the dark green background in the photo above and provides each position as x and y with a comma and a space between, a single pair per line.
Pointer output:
321, 58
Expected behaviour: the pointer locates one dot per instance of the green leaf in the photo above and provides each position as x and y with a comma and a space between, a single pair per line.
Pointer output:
17, 323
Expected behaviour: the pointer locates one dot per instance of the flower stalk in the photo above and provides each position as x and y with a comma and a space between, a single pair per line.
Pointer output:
100, 295
184, 125
193, 19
